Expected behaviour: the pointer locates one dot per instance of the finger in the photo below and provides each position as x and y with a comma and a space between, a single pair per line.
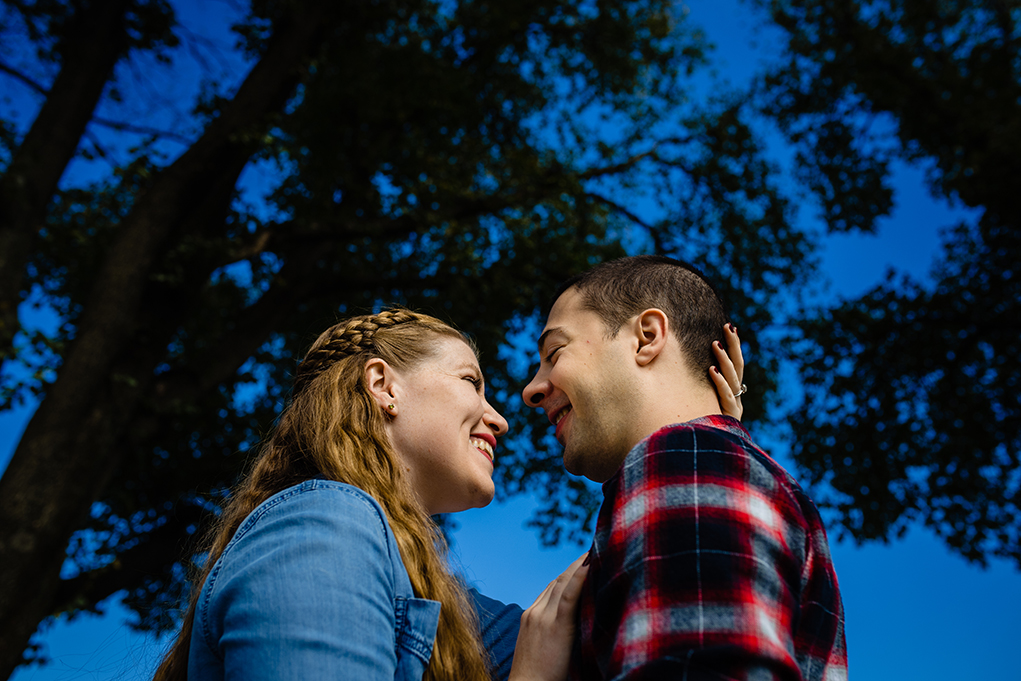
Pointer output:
723, 389
571, 594
734, 351
729, 403
543, 598
548, 628
727, 369
552, 592
567, 577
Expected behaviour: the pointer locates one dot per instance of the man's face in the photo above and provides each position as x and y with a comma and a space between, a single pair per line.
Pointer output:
584, 384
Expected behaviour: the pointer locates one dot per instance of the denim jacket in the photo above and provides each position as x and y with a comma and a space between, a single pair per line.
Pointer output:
312, 586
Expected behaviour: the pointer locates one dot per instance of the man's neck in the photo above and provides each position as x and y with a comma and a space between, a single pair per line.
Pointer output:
677, 406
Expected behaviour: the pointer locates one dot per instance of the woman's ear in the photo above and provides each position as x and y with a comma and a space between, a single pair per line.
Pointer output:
652, 329
379, 377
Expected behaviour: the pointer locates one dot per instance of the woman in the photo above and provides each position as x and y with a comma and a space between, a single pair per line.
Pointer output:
325, 562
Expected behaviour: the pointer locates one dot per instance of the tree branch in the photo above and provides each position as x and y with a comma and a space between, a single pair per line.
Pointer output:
142, 130
150, 556
25, 79
280, 236
631, 162
98, 120
620, 209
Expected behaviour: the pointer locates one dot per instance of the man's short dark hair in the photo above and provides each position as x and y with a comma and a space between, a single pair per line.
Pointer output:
621, 289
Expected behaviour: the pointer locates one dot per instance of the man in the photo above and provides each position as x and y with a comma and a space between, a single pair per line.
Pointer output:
709, 561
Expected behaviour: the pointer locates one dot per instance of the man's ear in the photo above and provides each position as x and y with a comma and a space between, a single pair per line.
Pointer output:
652, 328
379, 377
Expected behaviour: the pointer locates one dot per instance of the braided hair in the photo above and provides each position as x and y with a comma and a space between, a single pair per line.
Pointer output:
358, 336
332, 428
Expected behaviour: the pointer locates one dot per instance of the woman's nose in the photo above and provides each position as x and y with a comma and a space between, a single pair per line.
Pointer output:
495, 421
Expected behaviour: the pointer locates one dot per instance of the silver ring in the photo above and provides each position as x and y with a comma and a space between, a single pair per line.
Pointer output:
742, 391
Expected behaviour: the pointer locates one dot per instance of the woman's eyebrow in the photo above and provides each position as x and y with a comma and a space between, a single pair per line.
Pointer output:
474, 368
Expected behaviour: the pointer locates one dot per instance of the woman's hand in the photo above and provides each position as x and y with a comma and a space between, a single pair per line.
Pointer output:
730, 372
548, 628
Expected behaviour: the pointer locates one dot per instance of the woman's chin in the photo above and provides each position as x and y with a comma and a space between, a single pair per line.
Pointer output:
479, 498
483, 499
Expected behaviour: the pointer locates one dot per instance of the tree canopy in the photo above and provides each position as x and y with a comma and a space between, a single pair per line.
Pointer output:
912, 408
185, 213
460, 158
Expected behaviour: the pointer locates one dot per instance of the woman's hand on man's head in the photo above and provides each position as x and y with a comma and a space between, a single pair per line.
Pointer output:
728, 373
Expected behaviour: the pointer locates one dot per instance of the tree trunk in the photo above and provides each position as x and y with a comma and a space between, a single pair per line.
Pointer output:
68, 452
89, 56
168, 544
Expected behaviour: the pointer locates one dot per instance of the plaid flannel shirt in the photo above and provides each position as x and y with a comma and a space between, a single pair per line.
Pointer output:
709, 562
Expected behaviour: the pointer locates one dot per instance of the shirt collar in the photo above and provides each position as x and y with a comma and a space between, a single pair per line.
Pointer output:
727, 423
719, 421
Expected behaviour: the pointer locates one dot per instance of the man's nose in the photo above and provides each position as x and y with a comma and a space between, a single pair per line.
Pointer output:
535, 392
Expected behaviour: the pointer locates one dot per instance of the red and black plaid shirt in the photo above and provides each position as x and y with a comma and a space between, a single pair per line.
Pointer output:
709, 562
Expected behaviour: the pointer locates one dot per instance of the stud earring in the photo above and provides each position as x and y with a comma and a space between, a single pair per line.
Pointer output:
391, 407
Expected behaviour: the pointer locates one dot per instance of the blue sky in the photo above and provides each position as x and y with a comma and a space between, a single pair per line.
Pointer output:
914, 611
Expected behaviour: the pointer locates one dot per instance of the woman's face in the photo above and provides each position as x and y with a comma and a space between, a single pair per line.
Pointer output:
444, 431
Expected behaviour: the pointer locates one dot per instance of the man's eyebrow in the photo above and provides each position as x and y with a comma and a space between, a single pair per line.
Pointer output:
542, 339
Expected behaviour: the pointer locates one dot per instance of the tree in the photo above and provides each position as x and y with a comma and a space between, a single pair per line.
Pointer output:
460, 158
912, 408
